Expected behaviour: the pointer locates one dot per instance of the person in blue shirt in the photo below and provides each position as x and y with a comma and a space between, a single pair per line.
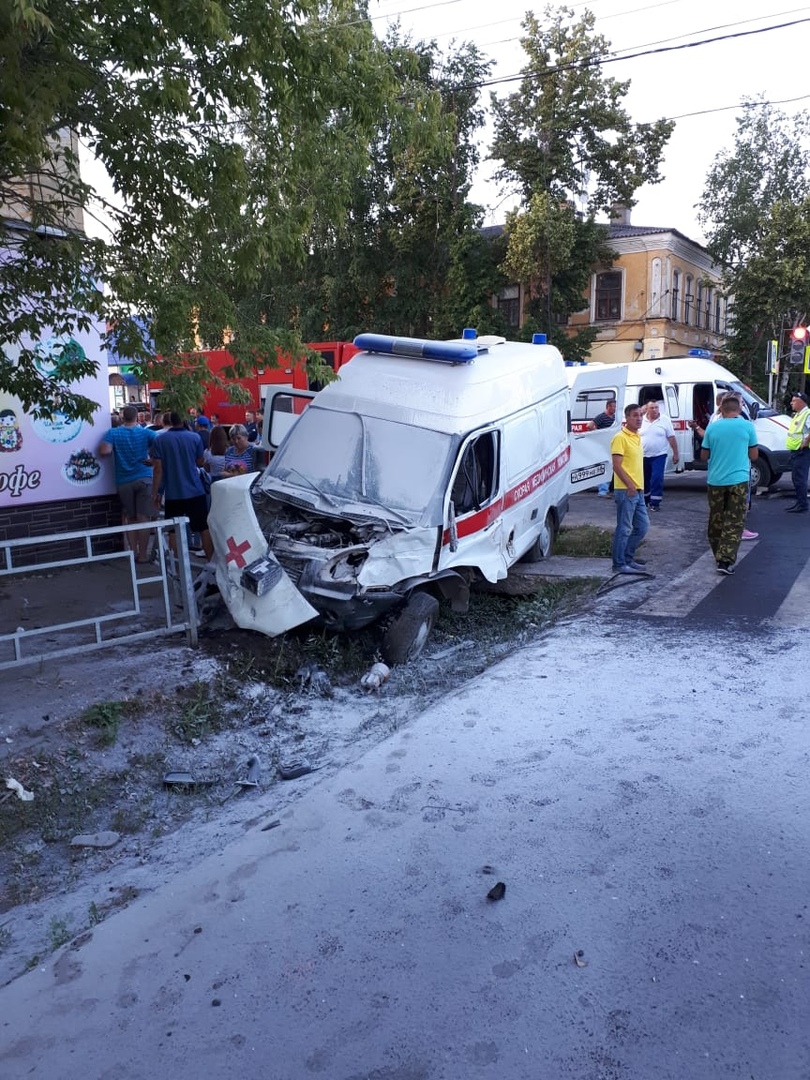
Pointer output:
130, 444
178, 457
729, 446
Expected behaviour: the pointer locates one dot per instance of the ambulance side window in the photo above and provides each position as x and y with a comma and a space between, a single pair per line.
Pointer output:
590, 403
650, 393
672, 401
476, 478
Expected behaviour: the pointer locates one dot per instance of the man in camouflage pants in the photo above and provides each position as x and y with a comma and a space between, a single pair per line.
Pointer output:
729, 445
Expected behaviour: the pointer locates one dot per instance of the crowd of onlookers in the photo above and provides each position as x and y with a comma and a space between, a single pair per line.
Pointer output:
169, 462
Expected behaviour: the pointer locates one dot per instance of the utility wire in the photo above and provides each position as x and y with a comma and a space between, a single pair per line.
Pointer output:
601, 61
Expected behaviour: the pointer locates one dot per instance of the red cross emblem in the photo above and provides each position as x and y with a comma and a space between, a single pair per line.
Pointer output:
235, 552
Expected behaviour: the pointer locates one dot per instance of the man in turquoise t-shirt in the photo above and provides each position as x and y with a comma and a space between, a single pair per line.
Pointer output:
729, 446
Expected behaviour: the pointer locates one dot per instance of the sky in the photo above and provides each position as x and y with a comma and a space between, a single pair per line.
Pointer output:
709, 80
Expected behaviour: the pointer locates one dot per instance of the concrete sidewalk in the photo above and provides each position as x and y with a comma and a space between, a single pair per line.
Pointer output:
648, 815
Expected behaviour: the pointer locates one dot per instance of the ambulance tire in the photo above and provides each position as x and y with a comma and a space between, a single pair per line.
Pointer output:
408, 633
544, 544
761, 474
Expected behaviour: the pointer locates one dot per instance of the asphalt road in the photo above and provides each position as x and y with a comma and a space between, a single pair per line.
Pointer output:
637, 779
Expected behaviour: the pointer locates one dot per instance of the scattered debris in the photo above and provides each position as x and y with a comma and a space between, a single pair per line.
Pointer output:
497, 891
19, 790
442, 654
271, 825
314, 678
487, 869
97, 840
376, 675
182, 779
578, 955
254, 769
295, 767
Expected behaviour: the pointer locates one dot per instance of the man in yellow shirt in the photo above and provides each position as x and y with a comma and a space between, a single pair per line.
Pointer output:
632, 521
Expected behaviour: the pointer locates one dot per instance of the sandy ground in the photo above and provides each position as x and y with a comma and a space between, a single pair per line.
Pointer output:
52, 891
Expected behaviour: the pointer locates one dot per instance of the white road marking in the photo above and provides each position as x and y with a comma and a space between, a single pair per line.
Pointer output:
690, 588
794, 611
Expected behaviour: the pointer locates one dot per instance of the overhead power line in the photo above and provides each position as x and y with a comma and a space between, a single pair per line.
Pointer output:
596, 61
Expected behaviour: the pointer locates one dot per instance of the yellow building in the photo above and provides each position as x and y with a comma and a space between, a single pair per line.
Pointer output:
660, 297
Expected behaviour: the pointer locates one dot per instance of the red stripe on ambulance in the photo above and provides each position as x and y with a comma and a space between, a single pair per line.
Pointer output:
480, 520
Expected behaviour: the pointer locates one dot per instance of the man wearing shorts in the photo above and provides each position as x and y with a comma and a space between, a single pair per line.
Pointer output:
130, 445
178, 457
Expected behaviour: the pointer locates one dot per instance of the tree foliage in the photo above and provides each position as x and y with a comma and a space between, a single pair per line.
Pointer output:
210, 119
754, 210
565, 131
407, 258
567, 145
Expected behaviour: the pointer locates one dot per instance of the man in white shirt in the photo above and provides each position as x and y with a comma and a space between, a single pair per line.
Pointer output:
657, 435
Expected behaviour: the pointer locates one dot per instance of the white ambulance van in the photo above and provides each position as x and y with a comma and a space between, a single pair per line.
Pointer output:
424, 467
688, 387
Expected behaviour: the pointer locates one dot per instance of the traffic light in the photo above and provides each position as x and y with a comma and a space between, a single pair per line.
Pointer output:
799, 341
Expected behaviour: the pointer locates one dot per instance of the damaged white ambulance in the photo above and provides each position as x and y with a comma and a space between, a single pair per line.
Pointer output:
427, 465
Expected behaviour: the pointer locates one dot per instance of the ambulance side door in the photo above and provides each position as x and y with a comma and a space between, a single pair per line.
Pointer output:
591, 462
473, 530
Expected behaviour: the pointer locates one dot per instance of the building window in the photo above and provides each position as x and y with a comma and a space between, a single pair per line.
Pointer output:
676, 294
509, 305
688, 300
699, 303
708, 314
608, 304
717, 313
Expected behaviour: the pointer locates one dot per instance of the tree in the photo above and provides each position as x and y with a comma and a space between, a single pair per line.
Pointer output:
192, 110
753, 209
571, 151
765, 166
401, 260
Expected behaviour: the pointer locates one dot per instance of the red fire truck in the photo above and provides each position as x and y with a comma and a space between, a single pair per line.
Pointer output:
288, 375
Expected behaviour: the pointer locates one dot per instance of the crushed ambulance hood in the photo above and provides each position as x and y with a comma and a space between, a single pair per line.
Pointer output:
238, 543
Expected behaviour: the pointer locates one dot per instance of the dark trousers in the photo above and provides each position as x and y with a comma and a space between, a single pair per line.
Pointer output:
654, 480
727, 507
799, 472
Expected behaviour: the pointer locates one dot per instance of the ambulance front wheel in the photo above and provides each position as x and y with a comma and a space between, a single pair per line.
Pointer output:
541, 548
408, 633
761, 474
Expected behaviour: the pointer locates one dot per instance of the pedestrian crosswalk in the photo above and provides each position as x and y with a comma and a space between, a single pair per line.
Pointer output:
683, 594
770, 589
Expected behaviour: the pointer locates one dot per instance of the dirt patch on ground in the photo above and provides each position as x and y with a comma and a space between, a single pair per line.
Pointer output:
94, 737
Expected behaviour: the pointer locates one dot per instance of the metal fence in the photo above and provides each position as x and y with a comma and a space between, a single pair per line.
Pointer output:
125, 605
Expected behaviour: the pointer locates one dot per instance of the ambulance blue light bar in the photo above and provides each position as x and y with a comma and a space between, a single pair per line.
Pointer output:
447, 352
703, 354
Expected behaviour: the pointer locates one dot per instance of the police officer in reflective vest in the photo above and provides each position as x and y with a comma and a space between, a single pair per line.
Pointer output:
798, 442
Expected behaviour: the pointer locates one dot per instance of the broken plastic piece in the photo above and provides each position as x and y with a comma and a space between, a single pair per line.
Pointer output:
184, 779
19, 790
290, 770
271, 825
497, 891
98, 840
252, 778
578, 955
376, 675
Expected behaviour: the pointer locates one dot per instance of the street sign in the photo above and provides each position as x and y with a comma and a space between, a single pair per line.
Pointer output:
772, 366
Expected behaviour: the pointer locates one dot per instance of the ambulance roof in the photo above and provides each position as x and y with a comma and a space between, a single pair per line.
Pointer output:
677, 369
453, 398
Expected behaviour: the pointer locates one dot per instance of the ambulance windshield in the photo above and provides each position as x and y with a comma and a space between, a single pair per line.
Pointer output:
756, 406
370, 463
